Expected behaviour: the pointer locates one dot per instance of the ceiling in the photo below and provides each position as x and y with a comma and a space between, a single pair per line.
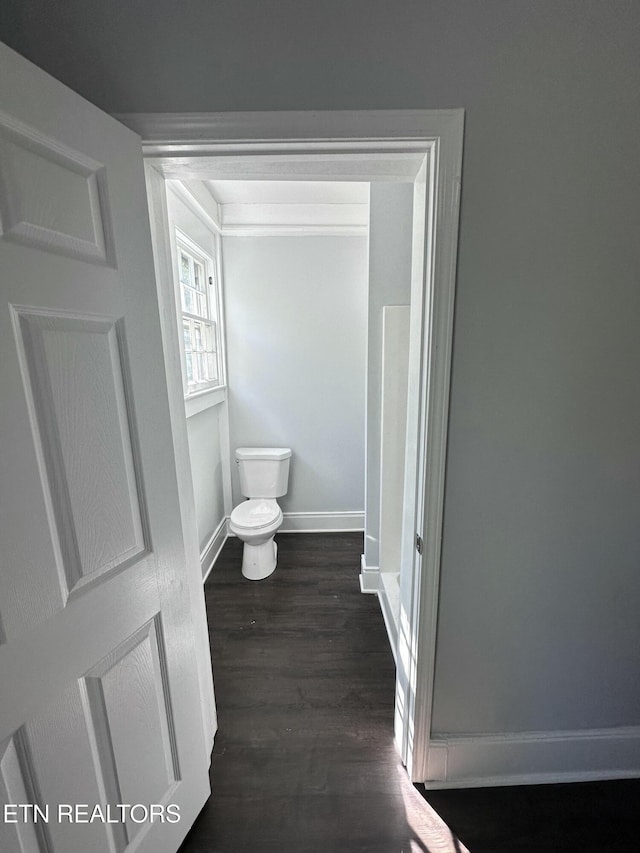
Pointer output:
291, 207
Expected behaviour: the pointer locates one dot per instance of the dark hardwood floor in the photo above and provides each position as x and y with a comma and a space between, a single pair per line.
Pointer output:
304, 760
587, 817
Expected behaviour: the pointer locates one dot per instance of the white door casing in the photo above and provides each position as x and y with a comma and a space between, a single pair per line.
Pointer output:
101, 616
421, 146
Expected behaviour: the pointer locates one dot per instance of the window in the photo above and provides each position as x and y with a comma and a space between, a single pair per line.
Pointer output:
199, 299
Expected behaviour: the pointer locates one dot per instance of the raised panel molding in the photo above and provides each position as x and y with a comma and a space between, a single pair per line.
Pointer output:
52, 197
75, 379
130, 710
15, 788
59, 753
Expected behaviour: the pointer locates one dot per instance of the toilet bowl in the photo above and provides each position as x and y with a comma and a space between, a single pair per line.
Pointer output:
255, 522
264, 476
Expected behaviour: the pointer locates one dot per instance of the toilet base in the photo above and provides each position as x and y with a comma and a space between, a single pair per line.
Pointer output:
259, 561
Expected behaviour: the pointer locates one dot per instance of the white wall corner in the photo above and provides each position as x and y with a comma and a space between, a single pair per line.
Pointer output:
369, 577
533, 758
200, 201
213, 547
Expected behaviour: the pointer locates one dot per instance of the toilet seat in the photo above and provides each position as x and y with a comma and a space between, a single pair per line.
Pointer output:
255, 514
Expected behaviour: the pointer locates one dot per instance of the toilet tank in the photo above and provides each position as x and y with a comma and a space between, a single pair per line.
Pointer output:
264, 471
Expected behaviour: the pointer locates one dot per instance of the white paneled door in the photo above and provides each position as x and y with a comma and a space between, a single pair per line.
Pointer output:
100, 703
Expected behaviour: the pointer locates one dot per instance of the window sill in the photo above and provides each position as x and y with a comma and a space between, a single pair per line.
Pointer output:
202, 400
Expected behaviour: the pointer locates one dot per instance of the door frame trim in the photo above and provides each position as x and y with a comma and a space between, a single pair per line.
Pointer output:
374, 145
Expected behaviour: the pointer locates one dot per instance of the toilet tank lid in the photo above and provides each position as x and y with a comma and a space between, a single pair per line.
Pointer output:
274, 453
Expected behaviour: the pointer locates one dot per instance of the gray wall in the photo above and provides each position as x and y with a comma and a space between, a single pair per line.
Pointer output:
203, 428
541, 580
390, 218
296, 315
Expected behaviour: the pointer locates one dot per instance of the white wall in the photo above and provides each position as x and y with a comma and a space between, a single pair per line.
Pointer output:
296, 312
393, 426
206, 450
390, 218
540, 584
206, 454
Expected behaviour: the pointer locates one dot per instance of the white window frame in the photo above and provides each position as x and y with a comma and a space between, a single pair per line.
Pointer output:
182, 242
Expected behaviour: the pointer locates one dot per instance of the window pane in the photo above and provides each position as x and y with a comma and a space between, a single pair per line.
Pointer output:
197, 336
185, 273
199, 307
202, 305
211, 365
207, 338
198, 275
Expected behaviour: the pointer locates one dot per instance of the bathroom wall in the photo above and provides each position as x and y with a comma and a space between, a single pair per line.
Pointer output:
206, 450
390, 218
296, 313
206, 454
393, 425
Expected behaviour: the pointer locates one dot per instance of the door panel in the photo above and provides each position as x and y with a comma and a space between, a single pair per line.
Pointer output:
17, 837
57, 758
76, 389
129, 700
100, 614
51, 196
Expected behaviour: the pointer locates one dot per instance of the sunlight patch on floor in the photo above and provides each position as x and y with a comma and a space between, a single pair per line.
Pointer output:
430, 834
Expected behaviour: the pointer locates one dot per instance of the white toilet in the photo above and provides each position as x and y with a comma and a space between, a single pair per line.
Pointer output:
264, 476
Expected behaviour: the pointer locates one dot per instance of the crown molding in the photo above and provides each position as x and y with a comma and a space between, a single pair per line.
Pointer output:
308, 219
258, 230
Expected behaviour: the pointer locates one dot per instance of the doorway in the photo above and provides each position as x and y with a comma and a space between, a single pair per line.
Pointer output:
425, 148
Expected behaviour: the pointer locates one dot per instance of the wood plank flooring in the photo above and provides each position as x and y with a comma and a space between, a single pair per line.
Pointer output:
586, 817
304, 760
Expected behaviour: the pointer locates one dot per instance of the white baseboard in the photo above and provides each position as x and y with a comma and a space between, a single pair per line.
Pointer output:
369, 577
533, 758
213, 548
322, 522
